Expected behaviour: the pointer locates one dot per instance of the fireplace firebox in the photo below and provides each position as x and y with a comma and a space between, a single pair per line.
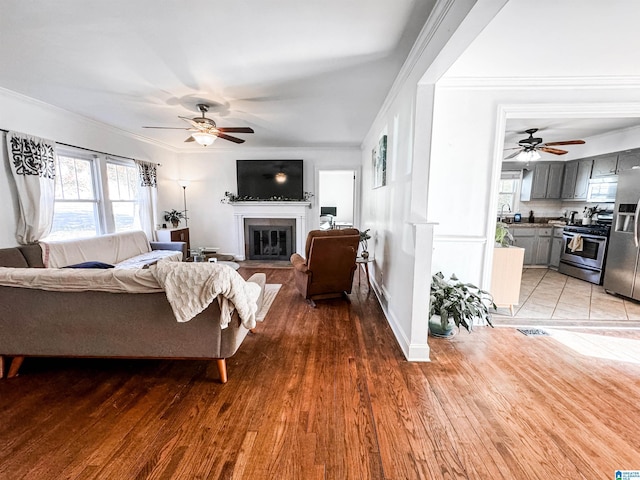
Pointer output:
270, 242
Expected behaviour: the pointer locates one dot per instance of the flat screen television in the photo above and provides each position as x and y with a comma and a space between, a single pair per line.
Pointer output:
264, 179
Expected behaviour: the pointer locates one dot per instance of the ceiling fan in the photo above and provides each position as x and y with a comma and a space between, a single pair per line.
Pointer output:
206, 131
530, 146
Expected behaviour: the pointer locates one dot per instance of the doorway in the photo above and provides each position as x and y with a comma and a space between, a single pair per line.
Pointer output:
336, 197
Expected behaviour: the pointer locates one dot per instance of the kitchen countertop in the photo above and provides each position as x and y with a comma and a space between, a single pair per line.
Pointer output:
535, 225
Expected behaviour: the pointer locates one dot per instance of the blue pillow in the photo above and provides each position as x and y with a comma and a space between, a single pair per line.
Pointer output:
92, 264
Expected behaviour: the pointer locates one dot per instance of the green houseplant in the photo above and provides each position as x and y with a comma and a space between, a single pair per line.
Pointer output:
173, 216
503, 235
364, 237
454, 303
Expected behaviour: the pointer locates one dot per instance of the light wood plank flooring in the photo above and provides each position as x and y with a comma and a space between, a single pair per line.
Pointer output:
326, 393
549, 298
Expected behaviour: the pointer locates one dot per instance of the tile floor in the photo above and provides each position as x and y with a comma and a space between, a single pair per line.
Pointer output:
552, 299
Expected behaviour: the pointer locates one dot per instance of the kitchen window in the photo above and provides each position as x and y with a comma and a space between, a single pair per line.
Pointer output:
94, 195
509, 192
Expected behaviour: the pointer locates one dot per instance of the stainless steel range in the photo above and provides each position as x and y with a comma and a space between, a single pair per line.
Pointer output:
585, 259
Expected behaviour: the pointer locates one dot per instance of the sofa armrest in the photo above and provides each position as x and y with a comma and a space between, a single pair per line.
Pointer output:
177, 246
299, 263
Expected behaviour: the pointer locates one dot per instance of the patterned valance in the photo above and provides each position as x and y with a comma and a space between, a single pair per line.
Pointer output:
32, 155
147, 174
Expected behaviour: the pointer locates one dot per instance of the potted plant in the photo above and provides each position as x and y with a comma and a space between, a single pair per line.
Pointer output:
503, 235
364, 236
454, 303
173, 216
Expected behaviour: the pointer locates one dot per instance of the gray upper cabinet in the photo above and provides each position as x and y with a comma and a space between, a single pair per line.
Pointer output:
582, 179
605, 165
576, 179
569, 181
628, 160
544, 181
554, 184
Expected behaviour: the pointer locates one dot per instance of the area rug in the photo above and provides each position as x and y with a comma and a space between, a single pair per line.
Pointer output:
270, 292
532, 332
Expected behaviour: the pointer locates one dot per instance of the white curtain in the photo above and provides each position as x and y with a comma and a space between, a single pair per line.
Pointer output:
147, 197
34, 170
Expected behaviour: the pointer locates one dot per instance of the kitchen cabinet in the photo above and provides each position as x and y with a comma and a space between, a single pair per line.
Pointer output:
582, 179
174, 235
604, 165
556, 247
543, 181
628, 160
543, 245
536, 242
525, 238
576, 179
506, 276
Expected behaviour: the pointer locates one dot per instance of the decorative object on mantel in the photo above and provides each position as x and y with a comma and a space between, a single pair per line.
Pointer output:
453, 303
364, 236
173, 216
232, 197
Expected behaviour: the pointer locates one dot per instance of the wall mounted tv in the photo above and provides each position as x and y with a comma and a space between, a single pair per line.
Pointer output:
264, 179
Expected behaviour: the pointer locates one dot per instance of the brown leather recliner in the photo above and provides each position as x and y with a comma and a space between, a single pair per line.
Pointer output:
330, 264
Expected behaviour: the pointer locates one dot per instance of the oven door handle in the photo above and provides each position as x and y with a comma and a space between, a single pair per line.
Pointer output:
635, 224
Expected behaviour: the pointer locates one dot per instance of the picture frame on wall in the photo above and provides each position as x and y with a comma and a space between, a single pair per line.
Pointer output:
379, 158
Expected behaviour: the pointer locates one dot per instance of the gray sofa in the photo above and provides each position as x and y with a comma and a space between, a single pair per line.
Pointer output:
101, 324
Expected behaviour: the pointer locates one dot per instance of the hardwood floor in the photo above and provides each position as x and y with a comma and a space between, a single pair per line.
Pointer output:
326, 393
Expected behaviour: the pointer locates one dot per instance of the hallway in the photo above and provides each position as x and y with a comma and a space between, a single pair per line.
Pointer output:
549, 298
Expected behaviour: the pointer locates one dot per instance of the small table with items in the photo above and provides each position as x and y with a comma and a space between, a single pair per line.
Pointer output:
361, 261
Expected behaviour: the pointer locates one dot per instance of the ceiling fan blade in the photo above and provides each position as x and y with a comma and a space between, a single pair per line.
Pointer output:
566, 142
555, 151
514, 154
192, 122
230, 138
190, 139
169, 128
236, 130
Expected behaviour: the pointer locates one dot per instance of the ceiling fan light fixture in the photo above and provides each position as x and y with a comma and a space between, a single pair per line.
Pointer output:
528, 155
281, 177
204, 139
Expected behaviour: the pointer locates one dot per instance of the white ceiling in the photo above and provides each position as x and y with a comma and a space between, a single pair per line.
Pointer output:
301, 73
549, 40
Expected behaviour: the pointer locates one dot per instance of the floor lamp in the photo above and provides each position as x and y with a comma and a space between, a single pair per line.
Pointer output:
184, 184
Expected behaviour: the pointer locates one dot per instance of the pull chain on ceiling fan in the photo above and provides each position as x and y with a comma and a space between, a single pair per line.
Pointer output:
205, 131
530, 147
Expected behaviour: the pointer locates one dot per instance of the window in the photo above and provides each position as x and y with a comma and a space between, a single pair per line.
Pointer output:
122, 204
94, 195
509, 192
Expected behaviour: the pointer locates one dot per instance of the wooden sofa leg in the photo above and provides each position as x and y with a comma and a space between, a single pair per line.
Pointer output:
15, 366
222, 369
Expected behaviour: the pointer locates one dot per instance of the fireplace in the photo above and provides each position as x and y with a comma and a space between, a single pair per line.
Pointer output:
279, 219
269, 239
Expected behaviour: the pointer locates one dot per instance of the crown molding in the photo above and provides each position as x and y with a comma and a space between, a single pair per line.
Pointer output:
541, 83
64, 112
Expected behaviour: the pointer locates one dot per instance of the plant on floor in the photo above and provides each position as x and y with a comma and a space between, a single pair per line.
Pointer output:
453, 302
173, 216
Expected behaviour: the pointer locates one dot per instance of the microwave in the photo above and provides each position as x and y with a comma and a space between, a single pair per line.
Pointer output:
602, 190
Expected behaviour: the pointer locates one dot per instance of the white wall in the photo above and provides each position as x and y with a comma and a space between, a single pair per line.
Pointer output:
26, 115
213, 172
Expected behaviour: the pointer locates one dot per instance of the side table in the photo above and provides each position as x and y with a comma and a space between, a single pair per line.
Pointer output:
364, 262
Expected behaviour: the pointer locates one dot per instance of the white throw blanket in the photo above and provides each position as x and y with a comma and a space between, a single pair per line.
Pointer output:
191, 287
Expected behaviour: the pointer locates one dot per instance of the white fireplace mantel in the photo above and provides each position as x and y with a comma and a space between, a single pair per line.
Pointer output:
270, 209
